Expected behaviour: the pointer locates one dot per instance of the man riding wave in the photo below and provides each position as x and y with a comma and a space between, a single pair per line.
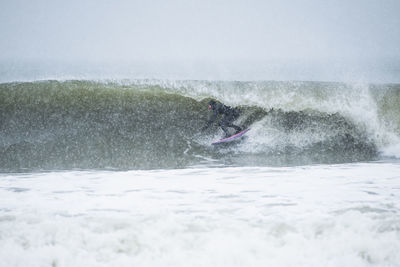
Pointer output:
229, 114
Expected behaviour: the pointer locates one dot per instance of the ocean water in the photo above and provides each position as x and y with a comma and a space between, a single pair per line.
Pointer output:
118, 173
153, 124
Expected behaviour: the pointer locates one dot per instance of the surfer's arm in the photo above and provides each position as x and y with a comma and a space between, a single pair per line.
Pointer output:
211, 120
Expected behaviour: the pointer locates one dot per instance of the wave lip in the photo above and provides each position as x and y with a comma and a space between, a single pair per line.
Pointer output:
149, 124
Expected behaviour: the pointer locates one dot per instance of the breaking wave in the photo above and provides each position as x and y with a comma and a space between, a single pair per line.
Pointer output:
147, 124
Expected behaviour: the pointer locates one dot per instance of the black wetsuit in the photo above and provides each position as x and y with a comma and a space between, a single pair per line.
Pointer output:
230, 114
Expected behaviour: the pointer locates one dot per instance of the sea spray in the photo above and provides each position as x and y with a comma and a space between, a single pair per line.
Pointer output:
146, 124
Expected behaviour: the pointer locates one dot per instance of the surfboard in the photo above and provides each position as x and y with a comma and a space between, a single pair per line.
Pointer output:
231, 138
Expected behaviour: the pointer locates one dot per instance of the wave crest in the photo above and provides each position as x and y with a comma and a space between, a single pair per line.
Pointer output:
155, 124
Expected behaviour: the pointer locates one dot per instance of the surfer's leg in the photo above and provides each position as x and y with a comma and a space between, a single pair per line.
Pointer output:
228, 122
237, 128
224, 123
223, 127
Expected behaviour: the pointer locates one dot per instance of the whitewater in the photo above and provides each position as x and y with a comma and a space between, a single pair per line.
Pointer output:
118, 173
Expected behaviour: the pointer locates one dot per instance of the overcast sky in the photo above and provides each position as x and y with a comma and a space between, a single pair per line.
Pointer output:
81, 30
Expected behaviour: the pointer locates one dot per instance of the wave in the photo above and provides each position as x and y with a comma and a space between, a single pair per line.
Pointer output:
147, 124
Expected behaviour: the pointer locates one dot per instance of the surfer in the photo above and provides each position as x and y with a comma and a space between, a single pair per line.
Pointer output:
230, 114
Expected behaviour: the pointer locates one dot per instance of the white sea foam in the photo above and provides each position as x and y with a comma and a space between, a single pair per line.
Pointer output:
338, 215
392, 151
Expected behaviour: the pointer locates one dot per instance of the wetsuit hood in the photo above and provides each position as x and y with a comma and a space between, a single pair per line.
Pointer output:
212, 103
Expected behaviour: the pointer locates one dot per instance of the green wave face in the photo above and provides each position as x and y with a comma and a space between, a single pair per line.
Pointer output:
51, 125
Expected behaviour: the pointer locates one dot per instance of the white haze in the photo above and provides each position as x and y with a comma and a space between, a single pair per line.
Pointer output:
265, 39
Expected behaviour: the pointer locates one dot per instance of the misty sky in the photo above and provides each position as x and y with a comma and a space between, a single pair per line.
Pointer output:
199, 30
